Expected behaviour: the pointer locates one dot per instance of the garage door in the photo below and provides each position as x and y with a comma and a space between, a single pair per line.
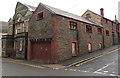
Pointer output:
41, 50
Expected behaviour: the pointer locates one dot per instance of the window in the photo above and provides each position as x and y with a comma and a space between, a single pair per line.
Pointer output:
74, 48
88, 28
23, 27
88, 16
20, 45
99, 30
100, 45
106, 21
113, 34
73, 25
16, 31
89, 46
39, 15
107, 32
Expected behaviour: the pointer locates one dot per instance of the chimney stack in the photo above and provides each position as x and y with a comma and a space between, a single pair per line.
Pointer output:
102, 11
115, 18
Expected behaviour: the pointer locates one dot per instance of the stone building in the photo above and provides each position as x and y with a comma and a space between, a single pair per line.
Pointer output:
52, 35
17, 34
21, 17
110, 33
6, 40
55, 35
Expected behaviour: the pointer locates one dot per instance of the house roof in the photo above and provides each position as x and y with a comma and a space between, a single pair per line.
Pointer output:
69, 15
98, 15
31, 8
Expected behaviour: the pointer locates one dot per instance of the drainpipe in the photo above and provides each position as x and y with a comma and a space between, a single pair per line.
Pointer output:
103, 33
13, 34
77, 37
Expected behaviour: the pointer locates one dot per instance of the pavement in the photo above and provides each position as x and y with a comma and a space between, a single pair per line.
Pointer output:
66, 63
87, 56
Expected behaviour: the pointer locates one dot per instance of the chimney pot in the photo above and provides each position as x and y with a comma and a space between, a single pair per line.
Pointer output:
102, 11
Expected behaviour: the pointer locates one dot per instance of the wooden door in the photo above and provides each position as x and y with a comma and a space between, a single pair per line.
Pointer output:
41, 50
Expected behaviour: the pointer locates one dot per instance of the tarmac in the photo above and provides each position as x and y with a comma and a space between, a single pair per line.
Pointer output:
69, 62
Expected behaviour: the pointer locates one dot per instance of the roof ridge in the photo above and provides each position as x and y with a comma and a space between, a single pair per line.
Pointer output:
66, 14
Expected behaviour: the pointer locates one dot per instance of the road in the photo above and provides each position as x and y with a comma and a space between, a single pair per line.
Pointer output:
14, 69
106, 65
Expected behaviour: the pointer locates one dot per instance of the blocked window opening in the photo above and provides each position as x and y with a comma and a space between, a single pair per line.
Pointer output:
100, 45
74, 48
89, 47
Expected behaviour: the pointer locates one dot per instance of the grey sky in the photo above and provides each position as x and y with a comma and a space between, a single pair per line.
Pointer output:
78, 7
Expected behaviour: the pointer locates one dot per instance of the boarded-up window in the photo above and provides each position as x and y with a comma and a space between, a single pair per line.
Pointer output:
100, 45
73, 49
21, 42
89, 47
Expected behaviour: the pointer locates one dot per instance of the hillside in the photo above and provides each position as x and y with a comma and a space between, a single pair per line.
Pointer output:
3, 27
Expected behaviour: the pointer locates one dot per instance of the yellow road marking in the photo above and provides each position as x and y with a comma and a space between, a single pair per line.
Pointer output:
31, 65
96, 57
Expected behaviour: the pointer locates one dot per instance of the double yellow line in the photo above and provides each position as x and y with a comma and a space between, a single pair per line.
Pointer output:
96, 57
26, 64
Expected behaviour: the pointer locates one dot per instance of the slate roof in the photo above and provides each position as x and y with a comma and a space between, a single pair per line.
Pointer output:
99, 15
69, 15
31, 8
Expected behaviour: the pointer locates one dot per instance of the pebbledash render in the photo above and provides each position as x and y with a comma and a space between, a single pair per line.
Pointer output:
55, 35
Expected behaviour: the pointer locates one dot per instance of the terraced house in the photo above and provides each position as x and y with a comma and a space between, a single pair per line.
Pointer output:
18, 28
55, 35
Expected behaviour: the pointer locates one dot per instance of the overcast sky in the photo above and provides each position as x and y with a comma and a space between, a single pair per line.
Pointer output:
78, 7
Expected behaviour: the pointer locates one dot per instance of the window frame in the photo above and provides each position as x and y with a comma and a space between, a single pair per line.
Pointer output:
76, 49
98, 30
21, 45
39, 13
88, 15
113, 33
89, 26
91, 43
70, 20
107, 34
101, 45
